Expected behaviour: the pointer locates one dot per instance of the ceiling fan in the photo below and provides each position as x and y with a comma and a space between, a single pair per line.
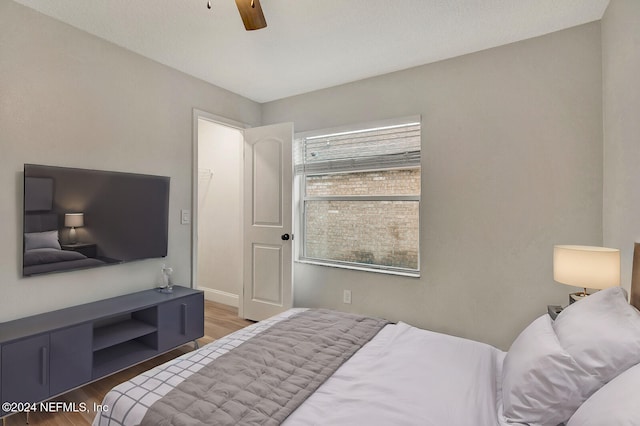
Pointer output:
251, 13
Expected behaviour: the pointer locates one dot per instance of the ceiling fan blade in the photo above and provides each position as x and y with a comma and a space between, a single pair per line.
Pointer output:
251, 13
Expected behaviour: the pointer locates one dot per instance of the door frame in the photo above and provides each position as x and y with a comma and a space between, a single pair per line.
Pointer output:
197, 115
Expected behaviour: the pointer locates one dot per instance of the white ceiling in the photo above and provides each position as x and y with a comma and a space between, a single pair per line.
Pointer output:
310, 45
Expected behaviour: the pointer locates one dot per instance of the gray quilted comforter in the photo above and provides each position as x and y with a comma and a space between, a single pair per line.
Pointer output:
264, 380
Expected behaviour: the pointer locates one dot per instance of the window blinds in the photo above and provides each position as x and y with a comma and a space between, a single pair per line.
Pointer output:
387, 147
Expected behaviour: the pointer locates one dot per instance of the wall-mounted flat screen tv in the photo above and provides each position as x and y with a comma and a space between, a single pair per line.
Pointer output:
77, 218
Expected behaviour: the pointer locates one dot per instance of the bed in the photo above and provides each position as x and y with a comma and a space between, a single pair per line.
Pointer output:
581, 369
42, 250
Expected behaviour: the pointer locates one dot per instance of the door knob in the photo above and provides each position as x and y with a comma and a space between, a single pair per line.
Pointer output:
285, 237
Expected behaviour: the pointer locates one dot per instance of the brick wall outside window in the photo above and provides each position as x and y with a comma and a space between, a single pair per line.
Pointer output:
380, 232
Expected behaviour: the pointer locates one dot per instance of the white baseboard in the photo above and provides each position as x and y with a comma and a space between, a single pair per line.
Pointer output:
219, 296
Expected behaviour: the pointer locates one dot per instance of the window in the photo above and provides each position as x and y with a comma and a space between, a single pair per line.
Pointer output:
360, 197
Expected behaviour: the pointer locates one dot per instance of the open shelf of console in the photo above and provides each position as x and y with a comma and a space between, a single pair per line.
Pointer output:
118, 357
120, 332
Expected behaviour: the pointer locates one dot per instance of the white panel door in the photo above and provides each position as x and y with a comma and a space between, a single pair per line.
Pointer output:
268, 181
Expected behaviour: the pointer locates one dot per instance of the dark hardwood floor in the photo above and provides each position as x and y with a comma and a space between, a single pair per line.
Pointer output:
219, 320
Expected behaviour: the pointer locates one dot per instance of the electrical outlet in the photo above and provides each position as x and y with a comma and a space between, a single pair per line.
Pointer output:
346, 297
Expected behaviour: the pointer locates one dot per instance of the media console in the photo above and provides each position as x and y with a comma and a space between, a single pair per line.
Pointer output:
48, 354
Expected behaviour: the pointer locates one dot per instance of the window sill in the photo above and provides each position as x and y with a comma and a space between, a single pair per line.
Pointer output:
356, 267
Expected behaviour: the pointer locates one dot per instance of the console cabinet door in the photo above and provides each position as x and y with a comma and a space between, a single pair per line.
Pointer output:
25, 370
71, 357
180, 321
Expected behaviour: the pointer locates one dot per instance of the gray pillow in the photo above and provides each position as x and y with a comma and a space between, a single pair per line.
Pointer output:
36, 240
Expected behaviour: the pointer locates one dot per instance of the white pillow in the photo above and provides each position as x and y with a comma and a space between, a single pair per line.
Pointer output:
36, 240
615, 404
602, 333
541, 383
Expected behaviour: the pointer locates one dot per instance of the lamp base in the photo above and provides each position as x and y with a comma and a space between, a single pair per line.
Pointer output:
576, 297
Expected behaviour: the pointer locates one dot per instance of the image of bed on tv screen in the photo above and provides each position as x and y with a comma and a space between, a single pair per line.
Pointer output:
78, 218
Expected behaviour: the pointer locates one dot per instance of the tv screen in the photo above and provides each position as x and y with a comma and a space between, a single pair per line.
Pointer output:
77, 218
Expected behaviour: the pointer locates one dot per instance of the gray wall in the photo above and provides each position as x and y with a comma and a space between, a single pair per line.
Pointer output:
70, 99
512, 164
621, 107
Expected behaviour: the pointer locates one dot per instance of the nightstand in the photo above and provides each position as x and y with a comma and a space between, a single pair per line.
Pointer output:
88, 249
554, 310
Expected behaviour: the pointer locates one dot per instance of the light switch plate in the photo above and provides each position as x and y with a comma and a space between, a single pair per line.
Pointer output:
185, 217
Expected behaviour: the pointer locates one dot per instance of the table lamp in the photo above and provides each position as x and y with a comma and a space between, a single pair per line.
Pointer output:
73, 220
586, 267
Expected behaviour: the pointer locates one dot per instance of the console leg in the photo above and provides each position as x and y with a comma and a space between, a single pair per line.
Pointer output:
196, 345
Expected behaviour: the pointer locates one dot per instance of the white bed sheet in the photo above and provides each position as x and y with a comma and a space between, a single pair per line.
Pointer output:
408, 376
403, 376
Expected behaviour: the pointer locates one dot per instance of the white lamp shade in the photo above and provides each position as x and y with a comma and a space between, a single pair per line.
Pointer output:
73, 220
586, 266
